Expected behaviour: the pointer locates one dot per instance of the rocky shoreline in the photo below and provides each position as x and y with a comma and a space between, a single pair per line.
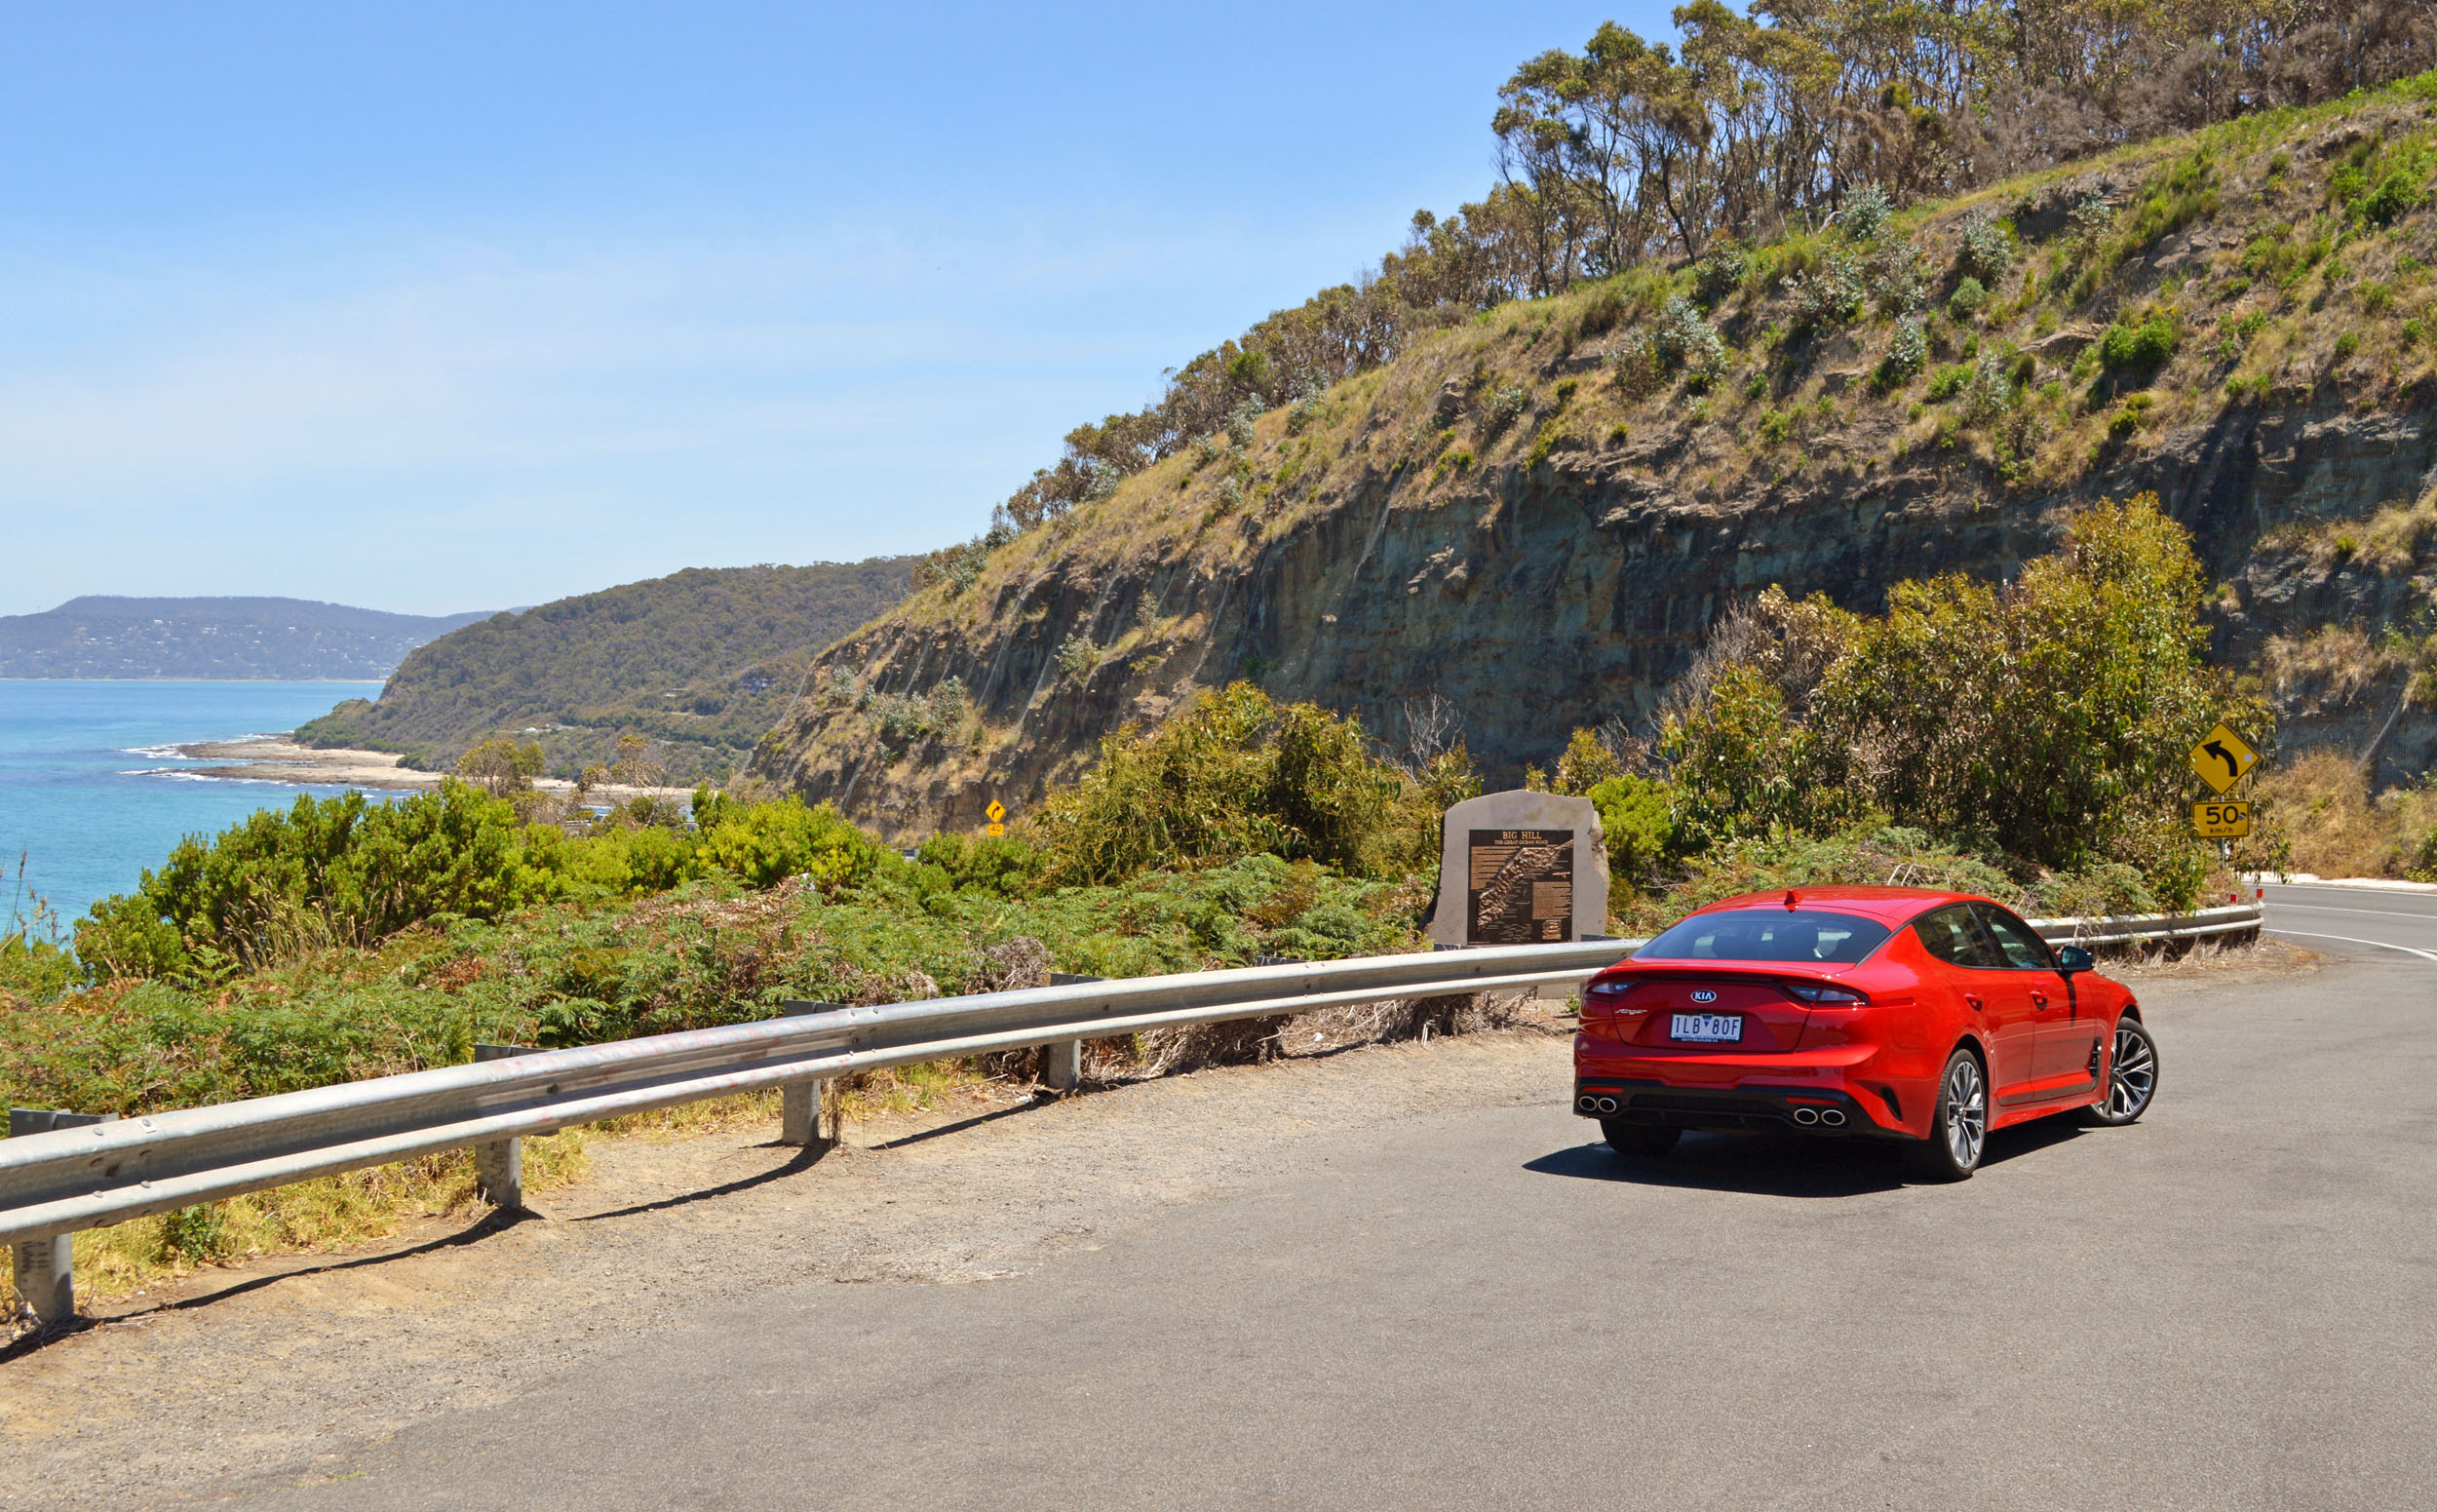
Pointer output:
284, 760
281, 760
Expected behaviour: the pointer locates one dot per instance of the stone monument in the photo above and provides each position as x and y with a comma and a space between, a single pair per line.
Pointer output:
1521, 868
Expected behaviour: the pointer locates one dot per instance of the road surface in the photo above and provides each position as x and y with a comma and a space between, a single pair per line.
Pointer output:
2227, 1305
2354, 920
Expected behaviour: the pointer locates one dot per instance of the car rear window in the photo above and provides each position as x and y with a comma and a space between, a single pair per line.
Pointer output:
1772, 934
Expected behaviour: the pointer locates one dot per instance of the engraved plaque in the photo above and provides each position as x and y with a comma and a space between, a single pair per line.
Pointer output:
1520, 887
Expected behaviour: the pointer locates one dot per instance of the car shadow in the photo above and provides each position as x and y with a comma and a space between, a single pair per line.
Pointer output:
1782, 1165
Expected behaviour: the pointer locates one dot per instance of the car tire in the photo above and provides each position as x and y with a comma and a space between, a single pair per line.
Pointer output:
2131, 1077
1959, 1126
1644, 1139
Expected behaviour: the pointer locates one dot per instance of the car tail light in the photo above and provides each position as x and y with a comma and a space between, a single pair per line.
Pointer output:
1823, 996
1608, 998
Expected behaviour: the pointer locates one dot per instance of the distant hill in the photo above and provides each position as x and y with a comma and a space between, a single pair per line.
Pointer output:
278, 640
704, 661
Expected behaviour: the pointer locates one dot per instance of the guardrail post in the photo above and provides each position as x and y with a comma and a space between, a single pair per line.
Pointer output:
1062, 1063
45, 1269
799, 1101
499, 1167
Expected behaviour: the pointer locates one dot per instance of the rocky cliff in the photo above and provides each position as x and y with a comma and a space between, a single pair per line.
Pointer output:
1535, 515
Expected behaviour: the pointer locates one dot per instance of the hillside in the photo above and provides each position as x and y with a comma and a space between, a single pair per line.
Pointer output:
1535, 511
702, 662
271, 640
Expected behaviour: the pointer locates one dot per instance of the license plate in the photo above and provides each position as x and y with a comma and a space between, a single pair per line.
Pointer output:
1707, 1028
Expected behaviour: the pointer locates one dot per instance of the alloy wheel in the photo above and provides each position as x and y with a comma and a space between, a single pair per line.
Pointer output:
1967, 1112
2132, 1076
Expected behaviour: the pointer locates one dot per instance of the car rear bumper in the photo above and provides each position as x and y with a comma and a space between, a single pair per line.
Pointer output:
1813, 1107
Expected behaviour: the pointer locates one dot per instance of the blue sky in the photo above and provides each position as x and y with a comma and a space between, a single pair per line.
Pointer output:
436, 307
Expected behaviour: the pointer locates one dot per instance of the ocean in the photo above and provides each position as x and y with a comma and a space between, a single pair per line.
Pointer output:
92, 790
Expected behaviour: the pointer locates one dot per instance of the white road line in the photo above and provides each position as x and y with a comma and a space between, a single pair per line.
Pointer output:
2321, 907
2426, 955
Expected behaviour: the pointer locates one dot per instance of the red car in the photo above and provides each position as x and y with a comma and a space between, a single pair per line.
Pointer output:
1892, 1013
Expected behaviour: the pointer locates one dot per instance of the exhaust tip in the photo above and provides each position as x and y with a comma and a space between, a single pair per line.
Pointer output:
1587, 1103
1608, 1104
1804, 1116
1833, 1117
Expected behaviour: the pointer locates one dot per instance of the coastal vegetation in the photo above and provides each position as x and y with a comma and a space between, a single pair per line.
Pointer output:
1788, 147
699, 663
1901, 377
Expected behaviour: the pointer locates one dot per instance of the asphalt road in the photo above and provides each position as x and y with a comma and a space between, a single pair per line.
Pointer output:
2227, 1305
2354, 920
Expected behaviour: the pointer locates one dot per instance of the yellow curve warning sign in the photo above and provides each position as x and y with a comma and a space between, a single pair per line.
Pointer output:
999, 816
2222, 757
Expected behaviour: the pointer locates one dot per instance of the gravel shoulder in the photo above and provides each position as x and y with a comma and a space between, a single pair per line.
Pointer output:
267, 1371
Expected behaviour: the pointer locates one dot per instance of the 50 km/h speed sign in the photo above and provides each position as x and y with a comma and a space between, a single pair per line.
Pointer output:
2221, 820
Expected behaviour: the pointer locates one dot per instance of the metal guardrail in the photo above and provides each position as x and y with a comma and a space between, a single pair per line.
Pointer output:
56, 1182
2142, 929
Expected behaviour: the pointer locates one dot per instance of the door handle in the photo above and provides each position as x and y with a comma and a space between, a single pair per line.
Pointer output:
2039, 999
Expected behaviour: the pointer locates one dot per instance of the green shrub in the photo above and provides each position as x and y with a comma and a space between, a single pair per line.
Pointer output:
764, 843
2347, 344
1983, 249
1866, 212
1907, 350
339, 870
1684, 342
2053, 713
998, 865
2136, 352
1637, 816
1969, 298
1233, 775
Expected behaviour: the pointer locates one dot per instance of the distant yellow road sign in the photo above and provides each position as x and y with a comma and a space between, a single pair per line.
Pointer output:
998, 829
2223, 819
997, 811
2222, 757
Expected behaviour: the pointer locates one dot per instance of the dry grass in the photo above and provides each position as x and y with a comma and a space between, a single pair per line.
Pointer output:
2321, 805
2258, 959
338, 1211
2332, 667
2390, 540
327, 1213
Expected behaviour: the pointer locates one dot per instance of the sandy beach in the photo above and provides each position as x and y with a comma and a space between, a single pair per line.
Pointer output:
284, 760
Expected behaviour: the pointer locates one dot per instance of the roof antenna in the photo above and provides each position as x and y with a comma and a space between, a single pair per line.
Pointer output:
1790, 899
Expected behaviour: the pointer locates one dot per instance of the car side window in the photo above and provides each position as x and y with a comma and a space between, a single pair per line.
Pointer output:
2021, 945
1951, 935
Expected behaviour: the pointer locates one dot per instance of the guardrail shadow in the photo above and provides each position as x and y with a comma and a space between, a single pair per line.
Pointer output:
1783, 1165
498, 1220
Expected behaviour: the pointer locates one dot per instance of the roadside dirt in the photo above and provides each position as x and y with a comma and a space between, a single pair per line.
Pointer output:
265, 1369
246, 1371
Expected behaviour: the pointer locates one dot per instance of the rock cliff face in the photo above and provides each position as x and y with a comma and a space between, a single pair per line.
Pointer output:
1514, 517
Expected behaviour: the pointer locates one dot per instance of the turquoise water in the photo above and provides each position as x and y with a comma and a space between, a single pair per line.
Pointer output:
92, 791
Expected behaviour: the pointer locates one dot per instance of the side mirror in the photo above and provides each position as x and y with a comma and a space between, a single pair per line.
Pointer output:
2071, 958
